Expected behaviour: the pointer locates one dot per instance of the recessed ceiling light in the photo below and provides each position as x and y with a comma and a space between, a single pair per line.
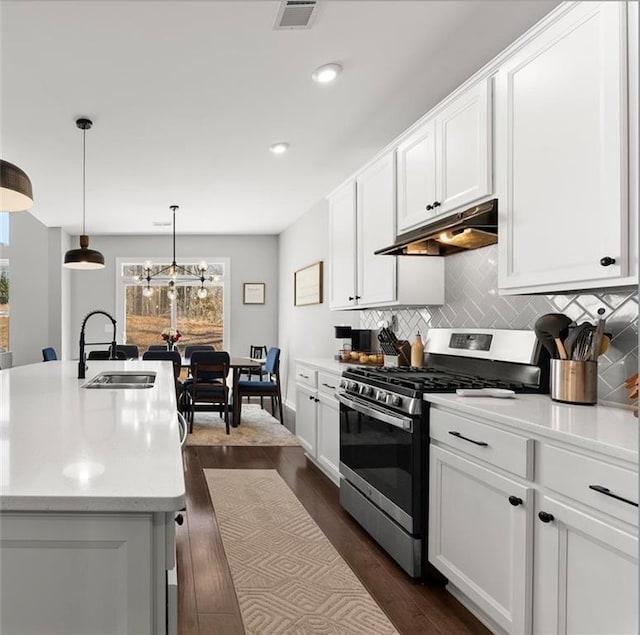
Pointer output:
327, 73
279, 148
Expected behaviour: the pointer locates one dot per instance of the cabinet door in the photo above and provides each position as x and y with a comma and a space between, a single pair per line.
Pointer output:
561, 146
329, 436
463, 149
342, 247
479, 539
586, 574
376, 211
416, 177
306, 418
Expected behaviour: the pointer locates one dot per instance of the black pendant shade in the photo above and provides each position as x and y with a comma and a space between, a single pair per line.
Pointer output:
16, 193
83, 258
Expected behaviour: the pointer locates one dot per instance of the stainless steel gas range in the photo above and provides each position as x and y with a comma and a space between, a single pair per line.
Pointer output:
384, 428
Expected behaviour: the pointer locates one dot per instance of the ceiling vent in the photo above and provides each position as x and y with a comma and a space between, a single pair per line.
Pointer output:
295, 14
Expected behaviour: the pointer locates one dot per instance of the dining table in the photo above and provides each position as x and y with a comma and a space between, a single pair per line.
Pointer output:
236, 364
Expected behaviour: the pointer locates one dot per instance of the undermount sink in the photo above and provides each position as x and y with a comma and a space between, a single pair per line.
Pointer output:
122, 379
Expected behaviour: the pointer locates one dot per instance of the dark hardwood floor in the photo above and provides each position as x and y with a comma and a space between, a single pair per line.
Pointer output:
207, 602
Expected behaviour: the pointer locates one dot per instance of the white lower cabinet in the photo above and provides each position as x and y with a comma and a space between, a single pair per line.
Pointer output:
79, 573
318, 418
479, 538
527, 552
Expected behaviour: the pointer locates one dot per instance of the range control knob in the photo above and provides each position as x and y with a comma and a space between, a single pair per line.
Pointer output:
381, 395
396, 401
343, 383
367, 391
352, 385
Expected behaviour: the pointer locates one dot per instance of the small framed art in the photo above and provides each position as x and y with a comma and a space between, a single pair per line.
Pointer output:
253, 293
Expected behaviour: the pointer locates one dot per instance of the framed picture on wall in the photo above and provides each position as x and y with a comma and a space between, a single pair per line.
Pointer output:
307, 285
253, 293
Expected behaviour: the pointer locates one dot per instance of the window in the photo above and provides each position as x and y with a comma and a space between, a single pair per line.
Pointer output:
201, 321
4, 304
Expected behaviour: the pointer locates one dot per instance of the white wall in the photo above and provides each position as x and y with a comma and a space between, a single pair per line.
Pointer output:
252, 259
306, 331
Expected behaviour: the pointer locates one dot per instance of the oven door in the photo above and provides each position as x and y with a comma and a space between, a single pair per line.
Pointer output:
383, 454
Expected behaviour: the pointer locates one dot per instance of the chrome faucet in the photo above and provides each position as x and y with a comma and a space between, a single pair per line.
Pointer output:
82, 362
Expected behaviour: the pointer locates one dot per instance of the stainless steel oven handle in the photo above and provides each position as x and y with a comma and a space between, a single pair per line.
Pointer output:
365, 409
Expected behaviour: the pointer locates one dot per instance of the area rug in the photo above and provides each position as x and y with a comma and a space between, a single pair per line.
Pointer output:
257, 427
287, 575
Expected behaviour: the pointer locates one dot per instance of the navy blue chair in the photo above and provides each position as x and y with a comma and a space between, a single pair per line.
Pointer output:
173, 357
105, 355
130, 350
269, 388
49, 354
157, 347
207, 387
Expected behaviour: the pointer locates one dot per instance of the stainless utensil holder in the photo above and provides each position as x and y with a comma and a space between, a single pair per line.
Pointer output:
574, 382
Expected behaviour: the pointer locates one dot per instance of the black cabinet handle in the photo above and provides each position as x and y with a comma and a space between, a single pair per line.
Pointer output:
457, 434
358, 297
436, 204
305, 376
515, 500
316, 399
607, 492
351, 297
545, 517
607, 260
179, 519
328, 386
311, 397
429, 207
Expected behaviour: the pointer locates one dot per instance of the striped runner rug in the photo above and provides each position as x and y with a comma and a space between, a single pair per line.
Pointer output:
287, 575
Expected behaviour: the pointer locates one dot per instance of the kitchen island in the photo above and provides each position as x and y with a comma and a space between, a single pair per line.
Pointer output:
90, 480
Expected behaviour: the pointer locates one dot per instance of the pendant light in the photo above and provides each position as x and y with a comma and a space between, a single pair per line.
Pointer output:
84, 258
16, 194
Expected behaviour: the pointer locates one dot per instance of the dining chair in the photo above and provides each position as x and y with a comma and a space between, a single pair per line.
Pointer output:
176, 360
130, 350
49, 354
255, 352
105, 355
157, 347
207, 387
188, 350
269, 388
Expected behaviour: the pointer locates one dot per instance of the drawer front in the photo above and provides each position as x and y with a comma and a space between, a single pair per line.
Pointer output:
591, 481
508, 451
328, 383
306, 376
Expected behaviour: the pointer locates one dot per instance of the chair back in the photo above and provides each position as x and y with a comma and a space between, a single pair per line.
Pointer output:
49, 354
157, 347
209, 365
130, 350
165, 355
257, 352
105, 355
192, 348
272, 365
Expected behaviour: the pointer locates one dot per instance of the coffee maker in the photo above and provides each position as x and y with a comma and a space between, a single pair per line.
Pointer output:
361, 340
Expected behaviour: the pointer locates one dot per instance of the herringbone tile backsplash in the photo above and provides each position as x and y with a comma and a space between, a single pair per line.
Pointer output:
472, 300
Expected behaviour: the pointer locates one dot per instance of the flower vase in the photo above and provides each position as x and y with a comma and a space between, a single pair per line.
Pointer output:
170, 345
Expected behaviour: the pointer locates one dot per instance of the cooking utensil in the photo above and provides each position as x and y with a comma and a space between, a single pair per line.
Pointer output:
596, 342
551, 329
582, 346
574, 334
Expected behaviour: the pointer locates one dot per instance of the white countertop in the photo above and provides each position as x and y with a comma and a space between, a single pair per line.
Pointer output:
611, 431
66, 448
326, 363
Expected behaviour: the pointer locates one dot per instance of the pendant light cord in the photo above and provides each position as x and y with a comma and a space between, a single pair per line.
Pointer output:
84, 176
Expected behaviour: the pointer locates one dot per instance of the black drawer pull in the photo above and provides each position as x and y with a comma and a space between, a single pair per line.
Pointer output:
515, 500
457, 434
607, 492
179, 519
545, 517
305, 376
328, 386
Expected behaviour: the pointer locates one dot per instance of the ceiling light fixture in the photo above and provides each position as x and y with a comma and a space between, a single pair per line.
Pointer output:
279, 148
16, 194
327, 73
175, 272
84, 258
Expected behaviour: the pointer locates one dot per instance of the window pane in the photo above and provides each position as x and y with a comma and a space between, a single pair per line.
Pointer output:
145, 317
200, 321
4, 304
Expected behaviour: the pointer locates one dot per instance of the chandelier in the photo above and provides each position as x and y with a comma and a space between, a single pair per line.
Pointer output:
175, 272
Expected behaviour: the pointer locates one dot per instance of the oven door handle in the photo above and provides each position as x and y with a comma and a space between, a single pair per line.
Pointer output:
365, 409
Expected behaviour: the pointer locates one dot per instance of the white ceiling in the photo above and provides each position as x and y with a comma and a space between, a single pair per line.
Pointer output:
187, 96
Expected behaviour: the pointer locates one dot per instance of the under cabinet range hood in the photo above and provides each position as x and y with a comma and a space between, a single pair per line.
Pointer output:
473, 228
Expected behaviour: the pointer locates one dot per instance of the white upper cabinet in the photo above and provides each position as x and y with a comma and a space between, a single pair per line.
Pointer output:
445, 164
362, 214
342, 245
562, 155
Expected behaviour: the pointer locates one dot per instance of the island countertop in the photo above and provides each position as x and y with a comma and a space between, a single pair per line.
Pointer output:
65, 448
